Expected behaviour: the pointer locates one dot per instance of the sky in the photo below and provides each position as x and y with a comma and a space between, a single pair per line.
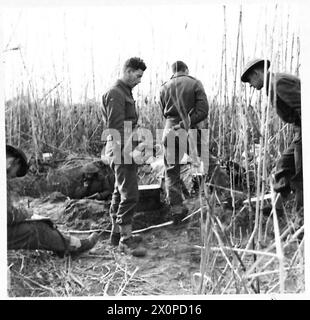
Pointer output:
63, 41
80, 46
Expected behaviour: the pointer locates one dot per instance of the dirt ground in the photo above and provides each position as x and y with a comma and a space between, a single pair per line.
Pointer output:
171, 266
167, 269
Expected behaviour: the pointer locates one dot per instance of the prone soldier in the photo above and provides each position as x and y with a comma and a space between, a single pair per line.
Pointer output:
94, 184
23, 232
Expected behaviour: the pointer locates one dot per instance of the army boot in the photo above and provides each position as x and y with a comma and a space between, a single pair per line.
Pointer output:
129, 243
77, 246
116, 235
178, 213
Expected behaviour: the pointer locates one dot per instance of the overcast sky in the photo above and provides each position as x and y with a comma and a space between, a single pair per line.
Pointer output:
64, 42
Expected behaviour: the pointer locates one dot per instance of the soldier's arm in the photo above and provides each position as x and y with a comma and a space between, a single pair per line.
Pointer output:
288, 89
17, 214
201, 108
161, 101
114, 103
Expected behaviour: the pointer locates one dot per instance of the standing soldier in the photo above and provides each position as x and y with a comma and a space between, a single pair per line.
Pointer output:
285, 97
119, 111
184, 105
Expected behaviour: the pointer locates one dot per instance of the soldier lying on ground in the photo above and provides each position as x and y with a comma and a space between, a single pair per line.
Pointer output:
26, 233
94, 184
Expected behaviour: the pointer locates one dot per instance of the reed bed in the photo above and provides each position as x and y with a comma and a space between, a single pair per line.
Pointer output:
267, 256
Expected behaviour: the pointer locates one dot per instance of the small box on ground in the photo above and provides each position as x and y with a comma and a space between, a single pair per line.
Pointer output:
149, 197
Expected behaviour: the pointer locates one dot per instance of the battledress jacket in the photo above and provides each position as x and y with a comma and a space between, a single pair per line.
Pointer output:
119, 106
185, 94
14, 214
17, 214
285, 96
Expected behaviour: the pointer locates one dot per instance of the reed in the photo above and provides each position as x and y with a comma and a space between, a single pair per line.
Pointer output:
49, 121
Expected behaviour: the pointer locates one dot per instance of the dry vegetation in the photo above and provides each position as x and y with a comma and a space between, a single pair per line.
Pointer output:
264, 256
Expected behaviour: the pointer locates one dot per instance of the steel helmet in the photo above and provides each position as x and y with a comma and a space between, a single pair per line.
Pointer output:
90, 168
250, 65
17, 153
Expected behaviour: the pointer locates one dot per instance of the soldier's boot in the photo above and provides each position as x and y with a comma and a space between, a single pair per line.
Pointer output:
178, 213
129, 243
116, 235
77, 246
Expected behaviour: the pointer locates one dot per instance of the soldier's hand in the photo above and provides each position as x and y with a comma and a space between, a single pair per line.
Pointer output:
178, 126
93, 196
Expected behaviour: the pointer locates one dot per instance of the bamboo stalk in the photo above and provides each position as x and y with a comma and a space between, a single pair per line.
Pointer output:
256, 252
235, 272
205, 236
292, 54
271, 247
267, 273
286, 41
278, 243
225, 82
298, 57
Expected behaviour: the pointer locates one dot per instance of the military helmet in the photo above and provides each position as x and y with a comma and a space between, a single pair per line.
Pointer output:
90, 168
250, 65
17, 153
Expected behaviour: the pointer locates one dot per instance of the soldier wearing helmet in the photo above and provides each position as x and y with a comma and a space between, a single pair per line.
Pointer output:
284, 93
94, 184
17, 165
23, 232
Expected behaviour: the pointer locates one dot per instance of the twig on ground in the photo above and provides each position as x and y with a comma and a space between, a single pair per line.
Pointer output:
127, 282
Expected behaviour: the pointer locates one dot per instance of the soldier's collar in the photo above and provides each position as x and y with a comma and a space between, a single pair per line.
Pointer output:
121, 83
179, 74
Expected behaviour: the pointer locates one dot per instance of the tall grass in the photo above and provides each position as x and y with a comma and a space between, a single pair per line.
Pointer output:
234, 139
50, 122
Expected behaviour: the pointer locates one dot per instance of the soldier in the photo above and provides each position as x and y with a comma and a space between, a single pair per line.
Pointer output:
95, 185
181, 97
26, 233
285, 97
119, 107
